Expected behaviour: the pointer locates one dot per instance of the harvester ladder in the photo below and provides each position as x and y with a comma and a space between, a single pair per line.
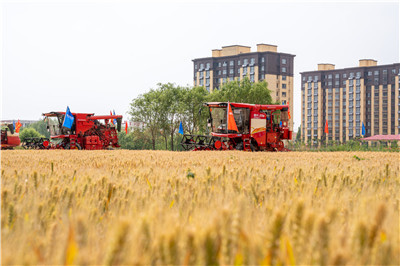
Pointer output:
246, 144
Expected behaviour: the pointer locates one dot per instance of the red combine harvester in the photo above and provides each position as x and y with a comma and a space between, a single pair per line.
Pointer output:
259, 128
9, 139
87, 132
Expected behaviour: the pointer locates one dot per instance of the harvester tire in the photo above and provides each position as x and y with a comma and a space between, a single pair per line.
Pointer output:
253, 149
78, 147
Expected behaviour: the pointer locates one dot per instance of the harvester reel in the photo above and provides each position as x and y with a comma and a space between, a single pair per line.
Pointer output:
200, 142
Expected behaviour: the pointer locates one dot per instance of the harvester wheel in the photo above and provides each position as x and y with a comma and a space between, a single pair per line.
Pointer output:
78, 147
252, 148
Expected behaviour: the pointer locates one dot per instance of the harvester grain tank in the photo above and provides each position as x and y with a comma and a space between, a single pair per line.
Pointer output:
258, 128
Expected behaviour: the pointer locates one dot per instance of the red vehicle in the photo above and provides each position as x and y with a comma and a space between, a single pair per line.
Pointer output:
259, 128
9, 139
88, 131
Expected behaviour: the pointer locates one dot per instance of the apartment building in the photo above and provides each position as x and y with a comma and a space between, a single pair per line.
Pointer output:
347, 98
236, 62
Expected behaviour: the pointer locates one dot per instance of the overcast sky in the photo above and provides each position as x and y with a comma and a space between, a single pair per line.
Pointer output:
98, 56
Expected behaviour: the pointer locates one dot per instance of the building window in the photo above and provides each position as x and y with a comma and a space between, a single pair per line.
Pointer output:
284, 69
344, 75
231, 71
246, 62
238, 62
283, 61
252, 61
238, 70
336, 76
283, 86
207, 66
252, 78
201, 67
283, 77
262, 68
283, 94
358, 74
252, 70
376, 72
195, 66
201, 82
224, 71
262, 59
330, 76
244, 70
207, 73
219, 72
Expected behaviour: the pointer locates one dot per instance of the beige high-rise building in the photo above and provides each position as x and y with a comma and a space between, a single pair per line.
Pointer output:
348, 98
236, 62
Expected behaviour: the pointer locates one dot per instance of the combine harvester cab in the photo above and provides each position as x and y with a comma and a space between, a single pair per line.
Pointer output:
9, 138
88, 132
241, 126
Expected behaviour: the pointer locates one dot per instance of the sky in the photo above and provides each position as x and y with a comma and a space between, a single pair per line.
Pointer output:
96, 56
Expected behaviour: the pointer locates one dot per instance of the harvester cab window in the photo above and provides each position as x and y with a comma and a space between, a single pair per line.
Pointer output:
242, 119
218, 120
284, 116
53, 125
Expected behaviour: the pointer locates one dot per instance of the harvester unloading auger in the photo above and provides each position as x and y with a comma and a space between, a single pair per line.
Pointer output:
242, 126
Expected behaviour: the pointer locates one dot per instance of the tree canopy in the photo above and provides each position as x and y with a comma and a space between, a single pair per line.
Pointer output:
29, 132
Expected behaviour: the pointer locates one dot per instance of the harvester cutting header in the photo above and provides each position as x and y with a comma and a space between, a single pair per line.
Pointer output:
242, 126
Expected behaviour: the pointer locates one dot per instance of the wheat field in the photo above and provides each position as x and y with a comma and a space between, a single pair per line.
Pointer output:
199, 208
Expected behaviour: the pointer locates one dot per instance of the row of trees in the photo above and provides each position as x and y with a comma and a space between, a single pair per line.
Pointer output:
163, 108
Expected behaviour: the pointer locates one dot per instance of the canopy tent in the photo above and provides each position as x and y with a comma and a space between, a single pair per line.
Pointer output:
382, 137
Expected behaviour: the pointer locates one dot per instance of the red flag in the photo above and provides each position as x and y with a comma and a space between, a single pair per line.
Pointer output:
326, 127
289, 110
112, 120
18, 125
126, 127
231, 119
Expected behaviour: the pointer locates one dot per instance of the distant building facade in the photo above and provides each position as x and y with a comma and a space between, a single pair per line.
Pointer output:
236, 62
24, 123
347, 98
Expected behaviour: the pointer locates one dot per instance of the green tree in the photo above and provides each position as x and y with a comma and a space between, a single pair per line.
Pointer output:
29, 132
41, 127
147, 108
193, 99
298, 136
243, 91
134, 140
